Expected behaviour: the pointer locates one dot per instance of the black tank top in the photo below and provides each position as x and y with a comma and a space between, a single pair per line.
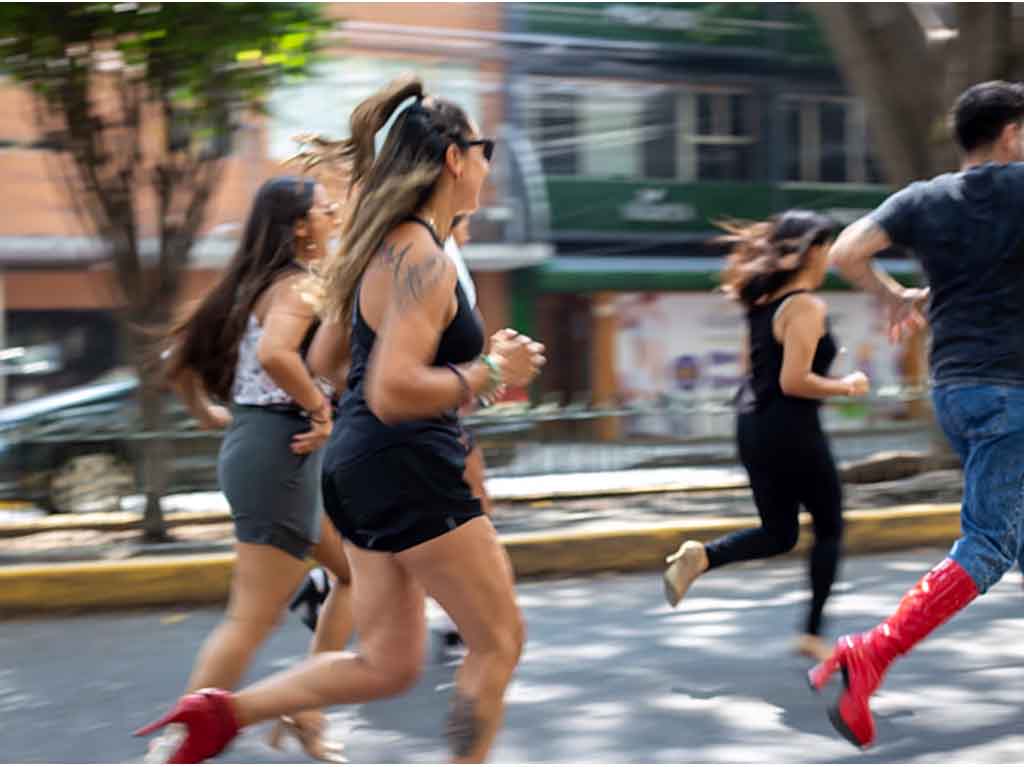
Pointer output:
360, 432
762, 386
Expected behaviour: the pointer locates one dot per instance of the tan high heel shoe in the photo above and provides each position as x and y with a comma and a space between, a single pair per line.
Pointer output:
309, 732
684, 566
813, 647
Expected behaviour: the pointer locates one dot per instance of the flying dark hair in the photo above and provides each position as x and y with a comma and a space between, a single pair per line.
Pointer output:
206, 339
765, 255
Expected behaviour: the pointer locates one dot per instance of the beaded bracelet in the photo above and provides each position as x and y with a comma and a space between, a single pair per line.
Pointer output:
327, 419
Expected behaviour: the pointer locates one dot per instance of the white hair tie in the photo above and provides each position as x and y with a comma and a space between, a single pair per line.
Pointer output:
381, 136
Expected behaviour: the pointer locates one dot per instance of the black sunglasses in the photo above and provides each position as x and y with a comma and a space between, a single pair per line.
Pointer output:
486, 143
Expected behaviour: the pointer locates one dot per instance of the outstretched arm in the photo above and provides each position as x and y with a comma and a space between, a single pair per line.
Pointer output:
854, 254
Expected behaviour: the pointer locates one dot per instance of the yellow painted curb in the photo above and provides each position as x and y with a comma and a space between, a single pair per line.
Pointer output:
128, 583
15, 505
645, 548
151, 581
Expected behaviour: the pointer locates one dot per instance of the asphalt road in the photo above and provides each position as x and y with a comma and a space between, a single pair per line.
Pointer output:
610, 675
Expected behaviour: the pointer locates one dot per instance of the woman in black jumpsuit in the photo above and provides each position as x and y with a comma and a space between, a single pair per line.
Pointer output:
772, 270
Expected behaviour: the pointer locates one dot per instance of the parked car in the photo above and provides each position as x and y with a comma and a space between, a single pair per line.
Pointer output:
80, 449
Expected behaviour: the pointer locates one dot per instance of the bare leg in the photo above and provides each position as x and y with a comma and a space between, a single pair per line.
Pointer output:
389, 619
333, 631
263, 580
468, 572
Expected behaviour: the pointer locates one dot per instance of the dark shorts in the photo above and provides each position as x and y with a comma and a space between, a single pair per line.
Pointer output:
398, 497
274, 494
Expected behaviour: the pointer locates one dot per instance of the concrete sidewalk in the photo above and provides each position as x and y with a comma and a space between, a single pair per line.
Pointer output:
212, 507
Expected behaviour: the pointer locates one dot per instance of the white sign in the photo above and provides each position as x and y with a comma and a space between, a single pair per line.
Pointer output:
651, 205
646, 16
685, 347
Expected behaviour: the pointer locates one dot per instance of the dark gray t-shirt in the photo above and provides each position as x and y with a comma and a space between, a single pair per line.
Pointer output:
967, 229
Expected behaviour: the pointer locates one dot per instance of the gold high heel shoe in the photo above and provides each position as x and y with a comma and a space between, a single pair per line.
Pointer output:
310, 737
684, 566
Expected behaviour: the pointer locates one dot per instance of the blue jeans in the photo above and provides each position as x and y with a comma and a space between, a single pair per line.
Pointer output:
985, 424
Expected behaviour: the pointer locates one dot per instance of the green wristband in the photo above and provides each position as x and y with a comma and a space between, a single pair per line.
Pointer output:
497, 379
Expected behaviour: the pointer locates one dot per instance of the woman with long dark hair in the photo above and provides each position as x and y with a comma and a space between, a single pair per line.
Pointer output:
773, 269
393, 479
244, 346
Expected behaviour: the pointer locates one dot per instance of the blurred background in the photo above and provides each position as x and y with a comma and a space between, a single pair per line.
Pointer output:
134, 136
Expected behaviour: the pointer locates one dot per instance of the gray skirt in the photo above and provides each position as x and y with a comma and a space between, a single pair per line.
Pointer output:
274, 494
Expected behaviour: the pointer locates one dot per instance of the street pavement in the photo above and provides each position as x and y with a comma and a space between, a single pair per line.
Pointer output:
610, 674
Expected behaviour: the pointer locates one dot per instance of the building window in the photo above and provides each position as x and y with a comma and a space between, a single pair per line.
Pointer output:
792, 132
636, 130
610, 131
723, 143
827, 141
588, 128
556, 135
660, 140
832, 129
705, 119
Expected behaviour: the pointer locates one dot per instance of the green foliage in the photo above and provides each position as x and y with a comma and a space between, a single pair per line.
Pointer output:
197, 59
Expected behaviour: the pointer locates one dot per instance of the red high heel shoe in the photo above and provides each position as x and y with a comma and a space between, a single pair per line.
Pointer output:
210, 722
864, 658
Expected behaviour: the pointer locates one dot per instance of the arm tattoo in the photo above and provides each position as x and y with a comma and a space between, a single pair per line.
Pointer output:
411, 281
463, 728
415, 280
392, 257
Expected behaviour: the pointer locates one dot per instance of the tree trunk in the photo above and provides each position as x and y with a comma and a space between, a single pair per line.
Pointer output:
155, 458
889, 63
149, 316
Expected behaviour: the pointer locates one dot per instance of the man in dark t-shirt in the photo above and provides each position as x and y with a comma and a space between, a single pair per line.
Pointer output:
967, 230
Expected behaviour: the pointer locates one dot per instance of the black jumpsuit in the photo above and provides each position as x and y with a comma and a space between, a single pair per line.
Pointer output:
787, 456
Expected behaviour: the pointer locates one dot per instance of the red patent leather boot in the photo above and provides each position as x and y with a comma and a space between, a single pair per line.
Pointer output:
864, 658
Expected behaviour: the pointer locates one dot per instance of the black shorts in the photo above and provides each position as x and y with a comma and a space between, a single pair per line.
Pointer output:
469, 439
398, 497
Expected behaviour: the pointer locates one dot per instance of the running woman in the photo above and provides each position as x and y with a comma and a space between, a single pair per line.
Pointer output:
773, 270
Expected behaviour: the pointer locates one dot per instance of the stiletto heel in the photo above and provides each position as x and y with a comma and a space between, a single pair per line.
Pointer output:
309, 737
684, 566
210, 722
174, 715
